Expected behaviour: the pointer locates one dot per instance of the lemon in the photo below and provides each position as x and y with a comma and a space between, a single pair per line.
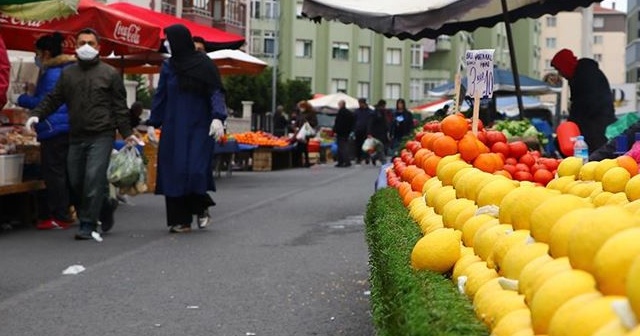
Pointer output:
462, 264
560, 183
615, 179
504, 243
477, 182
477, 275
602, 167
592, 316
634, 332
472, 225
494, 191
618, 198
633, 290
632, 189
513, 322
485, 295
632, 206
519, 256
545, 271
464, 178
561, 232
510, 200
430, 195
521, 212
601, 198
613, 328
430, 223
433, 181
545, 216
584, 188
485, 238
443, 198
448, 171
556, 291
451, 210
524, 332
460, 173
569, 166
446, 160
464, 215
499, 305
559, 323
613, 260
438, 251
530, 273
465, 251
587, 238
587, 171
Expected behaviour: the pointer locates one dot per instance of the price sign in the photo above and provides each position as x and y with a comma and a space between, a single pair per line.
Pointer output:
479, 72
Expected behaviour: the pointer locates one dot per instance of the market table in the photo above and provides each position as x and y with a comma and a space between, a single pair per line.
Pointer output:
223, 153
272, 158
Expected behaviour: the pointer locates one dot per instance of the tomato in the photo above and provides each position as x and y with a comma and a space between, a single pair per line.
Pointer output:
511, 169
496, 136
536, 153
523, 176
500, 147
527, 159
482, 136
542, 176
518, 149
551, 164
536, 166
511, 161
522, 167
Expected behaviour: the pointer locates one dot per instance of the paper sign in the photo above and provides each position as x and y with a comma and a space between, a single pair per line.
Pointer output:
479, 72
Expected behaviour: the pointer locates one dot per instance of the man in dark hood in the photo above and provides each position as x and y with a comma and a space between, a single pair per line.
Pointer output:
591, 98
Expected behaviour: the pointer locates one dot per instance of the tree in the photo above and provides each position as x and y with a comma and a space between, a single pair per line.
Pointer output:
296, 90
144, 93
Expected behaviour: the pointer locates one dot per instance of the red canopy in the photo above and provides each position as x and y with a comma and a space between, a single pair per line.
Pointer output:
216, 39
119, 32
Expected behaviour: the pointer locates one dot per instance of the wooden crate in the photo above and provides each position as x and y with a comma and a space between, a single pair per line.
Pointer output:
262, 159
151, 152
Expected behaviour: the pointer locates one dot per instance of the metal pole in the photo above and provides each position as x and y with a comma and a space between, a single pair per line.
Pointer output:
274, 74
512, 56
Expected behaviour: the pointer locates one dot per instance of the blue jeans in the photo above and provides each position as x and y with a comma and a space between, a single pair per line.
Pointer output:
87, 164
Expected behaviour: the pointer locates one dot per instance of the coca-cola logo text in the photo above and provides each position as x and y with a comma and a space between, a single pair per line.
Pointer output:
130, 33
5, 19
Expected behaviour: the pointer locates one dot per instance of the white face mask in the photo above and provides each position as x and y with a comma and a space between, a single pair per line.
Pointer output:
167, 46
86, 52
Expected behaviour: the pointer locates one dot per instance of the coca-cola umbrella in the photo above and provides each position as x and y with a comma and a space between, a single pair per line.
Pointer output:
215, 39
38, 9
120, 33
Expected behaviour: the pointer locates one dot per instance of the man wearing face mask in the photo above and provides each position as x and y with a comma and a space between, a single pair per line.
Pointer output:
96, 100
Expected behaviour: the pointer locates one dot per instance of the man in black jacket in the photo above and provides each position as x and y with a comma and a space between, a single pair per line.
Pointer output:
342, 127
96, 98
591, 98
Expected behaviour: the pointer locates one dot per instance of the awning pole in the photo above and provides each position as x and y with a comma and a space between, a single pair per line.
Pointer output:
512, 57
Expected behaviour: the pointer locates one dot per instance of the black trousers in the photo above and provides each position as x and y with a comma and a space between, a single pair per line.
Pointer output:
53, 156
343, 150
180, 210
360, 137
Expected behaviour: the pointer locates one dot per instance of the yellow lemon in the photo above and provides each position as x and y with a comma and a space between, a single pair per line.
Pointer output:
434, 181
602, 167
544, 273
460, 173
569, 166
592, 316
465, 251
430, 223
464, 215
634, 332
513, 322
613, 328
560, 183
530, 273
519, 256
613, 260
477, 275
587, 171
556, 291
584, 188
477, 182
430, 195
633, 289
493, 192
472, 225
442, 198
524, 332
632, 206
501, 303
451, 210
438, 251
587, 237
463, 178
601, 198
448, 171
545, 216
618, 198
446, 160
615, 179
461, 265
486, 237
559, 323
561, 232
632, 189
521, 212
504, 243
510, 200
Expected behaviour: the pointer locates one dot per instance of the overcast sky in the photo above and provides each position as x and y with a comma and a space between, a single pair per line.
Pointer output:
621, 5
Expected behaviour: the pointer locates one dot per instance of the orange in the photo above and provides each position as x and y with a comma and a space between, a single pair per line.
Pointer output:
426, 138
410, 196
486, 162
419, 180
409, 173
420, 155
628, 163
445, 145
404, 188
432, 139
468, 148
454, 126
430, 164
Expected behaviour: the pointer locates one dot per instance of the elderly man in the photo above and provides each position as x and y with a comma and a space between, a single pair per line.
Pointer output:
342, 127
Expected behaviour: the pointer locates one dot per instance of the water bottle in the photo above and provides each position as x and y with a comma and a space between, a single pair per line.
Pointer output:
581, 149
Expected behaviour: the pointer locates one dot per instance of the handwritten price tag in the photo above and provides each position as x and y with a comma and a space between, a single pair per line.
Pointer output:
480, 72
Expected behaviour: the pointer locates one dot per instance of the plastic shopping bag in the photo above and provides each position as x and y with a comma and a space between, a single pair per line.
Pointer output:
126, 167
370, 145
306, 131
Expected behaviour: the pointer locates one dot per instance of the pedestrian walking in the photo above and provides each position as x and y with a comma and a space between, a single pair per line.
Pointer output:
96, 100
379, 129
362, 115
52, 132
307, 115
189, 106
401, 124
342, 127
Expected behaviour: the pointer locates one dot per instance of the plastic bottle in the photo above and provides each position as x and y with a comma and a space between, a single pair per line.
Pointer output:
581, 149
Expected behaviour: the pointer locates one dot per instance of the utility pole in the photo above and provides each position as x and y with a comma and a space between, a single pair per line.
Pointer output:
274, 75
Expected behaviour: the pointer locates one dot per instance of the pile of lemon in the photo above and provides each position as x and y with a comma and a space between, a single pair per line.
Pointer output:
557, 260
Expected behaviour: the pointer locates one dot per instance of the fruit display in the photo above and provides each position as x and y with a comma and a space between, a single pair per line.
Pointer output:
260, 138
13, 137
550, 252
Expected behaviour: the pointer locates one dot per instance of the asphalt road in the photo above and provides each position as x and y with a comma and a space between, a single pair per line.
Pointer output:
285, 256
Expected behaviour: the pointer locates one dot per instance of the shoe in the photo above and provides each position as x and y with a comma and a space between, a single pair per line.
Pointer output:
179, 229
84, 232
106, 215
52, 224
204, 219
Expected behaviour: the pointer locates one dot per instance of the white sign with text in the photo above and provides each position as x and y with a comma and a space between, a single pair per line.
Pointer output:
479, 72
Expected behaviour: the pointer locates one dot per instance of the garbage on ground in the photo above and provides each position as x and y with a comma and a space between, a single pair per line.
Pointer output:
73, 270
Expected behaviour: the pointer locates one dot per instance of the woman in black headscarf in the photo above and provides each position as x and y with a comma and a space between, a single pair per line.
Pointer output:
189, 106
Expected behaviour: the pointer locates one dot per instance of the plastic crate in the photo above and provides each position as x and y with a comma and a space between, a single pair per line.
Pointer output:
11, 168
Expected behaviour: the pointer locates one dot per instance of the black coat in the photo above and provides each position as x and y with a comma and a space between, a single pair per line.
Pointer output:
344, 123
378, 127
280, 124
608, 151
591, 103
402, 124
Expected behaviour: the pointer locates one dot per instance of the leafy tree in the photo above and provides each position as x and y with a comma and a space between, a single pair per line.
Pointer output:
144, 93
296, 90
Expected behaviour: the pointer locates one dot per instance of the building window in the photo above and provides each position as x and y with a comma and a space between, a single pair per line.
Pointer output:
417, 52
428, 85
415, 89
340, 51
307, 80
551, 21
269, 42
303, 48
339, 85
393, 56
392, 90
597, 39
598, 22
550, 42
363, 90
364, 54
256, 42
597, 57
299, 10
254, 10
547, 63
200, 4
271, 9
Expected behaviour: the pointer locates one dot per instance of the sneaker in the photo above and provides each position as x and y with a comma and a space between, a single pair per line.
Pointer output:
204, 219
84, 231
179, 229
52, 224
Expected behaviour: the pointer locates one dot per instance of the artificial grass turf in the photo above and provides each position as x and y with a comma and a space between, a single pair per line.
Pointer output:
405, 301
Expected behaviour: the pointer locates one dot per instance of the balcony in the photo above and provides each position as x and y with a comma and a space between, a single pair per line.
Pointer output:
227, 15
443, 43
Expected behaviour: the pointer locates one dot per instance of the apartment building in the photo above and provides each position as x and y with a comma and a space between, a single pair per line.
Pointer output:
227, 15
632, 61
